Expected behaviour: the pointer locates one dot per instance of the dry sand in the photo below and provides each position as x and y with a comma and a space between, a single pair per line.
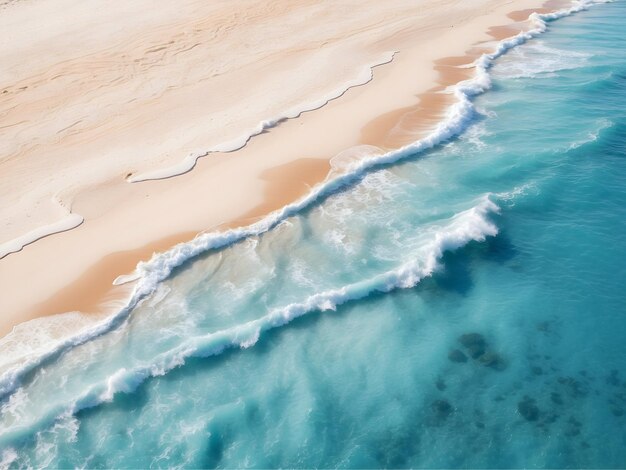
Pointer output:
93, 94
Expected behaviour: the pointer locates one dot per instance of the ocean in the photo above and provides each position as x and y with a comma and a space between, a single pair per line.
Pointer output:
459, 303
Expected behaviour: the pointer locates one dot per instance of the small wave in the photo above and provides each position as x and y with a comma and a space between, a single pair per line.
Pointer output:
591, 136
467, 226
8, 457
35, 337
149, 274
475, 135
539, 60
510, 197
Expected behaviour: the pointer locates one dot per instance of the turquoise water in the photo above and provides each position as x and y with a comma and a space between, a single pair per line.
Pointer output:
461, 308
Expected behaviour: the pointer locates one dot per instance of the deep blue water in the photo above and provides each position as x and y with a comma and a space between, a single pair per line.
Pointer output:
463, 308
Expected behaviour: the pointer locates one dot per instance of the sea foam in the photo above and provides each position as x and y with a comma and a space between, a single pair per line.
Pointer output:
149, 274
467, 226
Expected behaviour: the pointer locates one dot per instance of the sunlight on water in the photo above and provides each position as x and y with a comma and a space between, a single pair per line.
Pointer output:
463, 307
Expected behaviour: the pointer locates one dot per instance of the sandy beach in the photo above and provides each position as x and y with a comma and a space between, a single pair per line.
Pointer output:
128, 129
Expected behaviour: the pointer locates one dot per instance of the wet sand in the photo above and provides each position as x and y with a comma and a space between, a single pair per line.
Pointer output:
125, 223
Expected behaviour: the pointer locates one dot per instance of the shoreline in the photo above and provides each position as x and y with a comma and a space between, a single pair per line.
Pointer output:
270, 186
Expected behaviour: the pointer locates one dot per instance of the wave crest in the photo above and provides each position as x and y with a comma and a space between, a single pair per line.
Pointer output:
461, 229
149, 274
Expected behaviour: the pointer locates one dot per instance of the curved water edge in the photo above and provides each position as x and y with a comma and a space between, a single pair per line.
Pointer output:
189, 162
375, 383
463, 228
69, 222
152, 272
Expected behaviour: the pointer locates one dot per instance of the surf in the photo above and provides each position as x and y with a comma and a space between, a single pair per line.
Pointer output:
150, 274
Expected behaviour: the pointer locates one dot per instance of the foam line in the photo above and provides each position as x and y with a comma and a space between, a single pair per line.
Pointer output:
467, 226
160, 266
470, 225
189, 162
68, 222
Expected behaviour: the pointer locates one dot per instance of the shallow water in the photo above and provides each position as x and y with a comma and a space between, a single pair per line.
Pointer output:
344, 336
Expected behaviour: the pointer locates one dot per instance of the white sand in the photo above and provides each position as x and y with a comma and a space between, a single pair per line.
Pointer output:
94, 94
